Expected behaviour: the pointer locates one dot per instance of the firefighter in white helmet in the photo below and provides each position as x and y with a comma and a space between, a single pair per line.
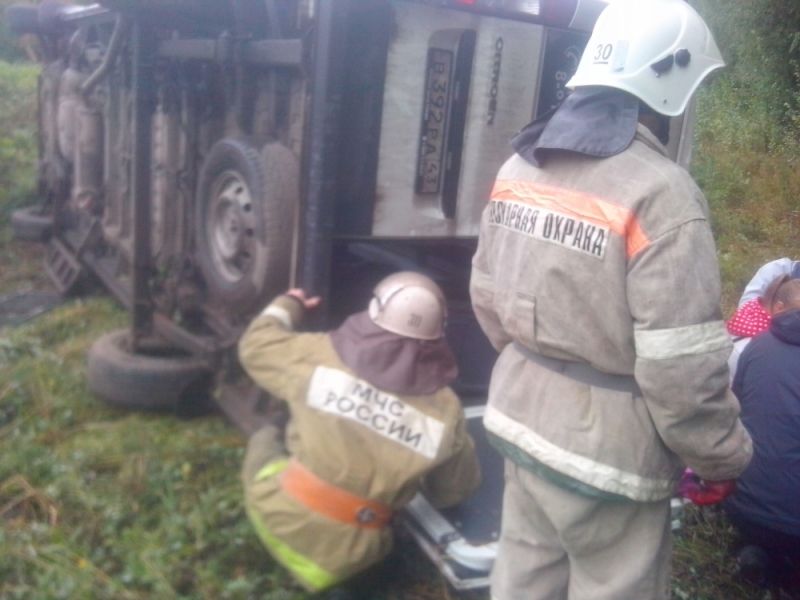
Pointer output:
596, 279
373, 421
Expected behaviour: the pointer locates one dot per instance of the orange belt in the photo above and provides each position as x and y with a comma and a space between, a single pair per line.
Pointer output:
333, 502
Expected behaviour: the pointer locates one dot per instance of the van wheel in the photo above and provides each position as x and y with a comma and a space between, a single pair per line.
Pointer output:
30, 224
22, 18
244, 222
157, 378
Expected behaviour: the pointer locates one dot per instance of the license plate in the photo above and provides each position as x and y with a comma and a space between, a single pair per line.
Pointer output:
433, 136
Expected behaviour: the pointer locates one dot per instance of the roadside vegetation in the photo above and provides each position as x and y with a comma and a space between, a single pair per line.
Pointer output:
747, 149
17, 167
100, 503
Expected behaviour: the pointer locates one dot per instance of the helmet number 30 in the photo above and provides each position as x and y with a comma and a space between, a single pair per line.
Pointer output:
602, 53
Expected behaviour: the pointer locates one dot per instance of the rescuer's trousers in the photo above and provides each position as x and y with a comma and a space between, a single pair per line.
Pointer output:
558, 545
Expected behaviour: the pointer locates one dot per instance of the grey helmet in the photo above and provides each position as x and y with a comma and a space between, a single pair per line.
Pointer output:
409, 304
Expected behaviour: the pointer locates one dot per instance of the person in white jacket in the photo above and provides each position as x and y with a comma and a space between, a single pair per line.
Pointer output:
753, 315
766, 274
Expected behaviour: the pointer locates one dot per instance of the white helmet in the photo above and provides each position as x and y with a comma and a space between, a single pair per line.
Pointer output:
657, 50
409, 304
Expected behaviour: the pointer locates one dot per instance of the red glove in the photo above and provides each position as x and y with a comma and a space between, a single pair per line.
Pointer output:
702, 492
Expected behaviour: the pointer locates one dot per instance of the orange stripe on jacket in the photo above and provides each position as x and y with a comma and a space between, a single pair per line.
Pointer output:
577, 204
331, 501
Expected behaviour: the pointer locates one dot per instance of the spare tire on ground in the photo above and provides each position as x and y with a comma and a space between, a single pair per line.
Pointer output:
22, 18
158, 377
30, 224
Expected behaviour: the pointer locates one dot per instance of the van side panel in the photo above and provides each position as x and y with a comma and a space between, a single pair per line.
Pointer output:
501, 98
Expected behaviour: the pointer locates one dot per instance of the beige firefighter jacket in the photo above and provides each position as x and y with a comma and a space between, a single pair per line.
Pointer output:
375, 445
608, 262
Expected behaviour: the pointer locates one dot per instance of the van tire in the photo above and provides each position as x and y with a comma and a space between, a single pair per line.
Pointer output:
244, 222
22, 18
31, 225
159, 378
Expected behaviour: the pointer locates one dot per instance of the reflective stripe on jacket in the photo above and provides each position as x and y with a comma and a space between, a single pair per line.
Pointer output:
609, 262
368, 443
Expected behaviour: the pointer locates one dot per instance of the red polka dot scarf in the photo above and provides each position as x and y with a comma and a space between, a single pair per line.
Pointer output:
749, 320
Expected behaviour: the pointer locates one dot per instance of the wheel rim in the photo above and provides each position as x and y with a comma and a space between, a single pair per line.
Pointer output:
231, 226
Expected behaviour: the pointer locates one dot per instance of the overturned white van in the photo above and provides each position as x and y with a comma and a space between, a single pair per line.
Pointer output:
196, 157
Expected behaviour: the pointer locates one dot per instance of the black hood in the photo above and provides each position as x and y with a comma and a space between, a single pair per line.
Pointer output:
786, 327
391, 362
595, 121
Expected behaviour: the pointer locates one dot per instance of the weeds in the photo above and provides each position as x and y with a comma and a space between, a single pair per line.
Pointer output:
747, 147
103, 504
704, 567
17, 136
17, 171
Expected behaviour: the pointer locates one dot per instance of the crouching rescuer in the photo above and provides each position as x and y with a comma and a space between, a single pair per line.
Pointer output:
372, 422
596, 279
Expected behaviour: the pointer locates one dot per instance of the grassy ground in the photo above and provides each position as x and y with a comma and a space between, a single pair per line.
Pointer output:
747, 150
703, 564
20, 268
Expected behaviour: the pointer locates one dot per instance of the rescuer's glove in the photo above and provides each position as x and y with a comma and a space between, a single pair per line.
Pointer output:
702, 492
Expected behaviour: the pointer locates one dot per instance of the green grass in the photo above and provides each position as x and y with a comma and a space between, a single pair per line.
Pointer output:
747, 150
100, 503
703, 564
21, 265
753, 190
17, 136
